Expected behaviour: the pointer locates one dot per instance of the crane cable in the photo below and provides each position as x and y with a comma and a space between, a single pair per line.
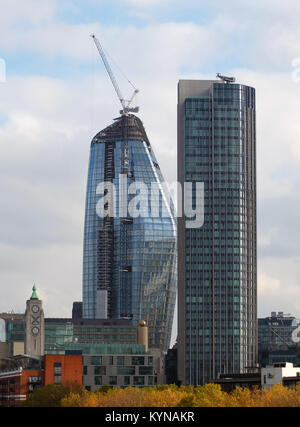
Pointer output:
117, 66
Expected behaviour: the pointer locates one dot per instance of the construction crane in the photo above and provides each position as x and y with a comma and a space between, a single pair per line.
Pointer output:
125, 103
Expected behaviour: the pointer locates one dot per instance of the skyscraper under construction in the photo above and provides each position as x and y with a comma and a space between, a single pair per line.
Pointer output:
129, 261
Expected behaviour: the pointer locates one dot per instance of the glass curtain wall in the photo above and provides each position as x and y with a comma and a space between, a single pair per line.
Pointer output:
130, 260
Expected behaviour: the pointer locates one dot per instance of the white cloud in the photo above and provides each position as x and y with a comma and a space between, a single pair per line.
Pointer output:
55, 269
278, 286
44, 140
30, 12
267, 284
147, 3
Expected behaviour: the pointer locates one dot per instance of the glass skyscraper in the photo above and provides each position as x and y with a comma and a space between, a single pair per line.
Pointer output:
217, 289
129, 261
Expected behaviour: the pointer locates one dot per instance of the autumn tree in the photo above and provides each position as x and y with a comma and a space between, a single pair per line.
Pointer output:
51, 395
209, 395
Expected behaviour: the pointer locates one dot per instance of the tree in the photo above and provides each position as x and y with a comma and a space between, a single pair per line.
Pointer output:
51, 395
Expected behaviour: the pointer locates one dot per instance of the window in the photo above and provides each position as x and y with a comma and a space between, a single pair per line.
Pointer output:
35, 379
126, 380
138, 380
126, 370
57, 373
150, 381
113, 380
145, 370
136, 360
96, 360
98, 380
100, 370
120, 360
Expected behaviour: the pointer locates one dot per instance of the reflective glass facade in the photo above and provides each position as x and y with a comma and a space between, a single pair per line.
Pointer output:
217, 328
102, 334
57, 335
129, 262
12, 327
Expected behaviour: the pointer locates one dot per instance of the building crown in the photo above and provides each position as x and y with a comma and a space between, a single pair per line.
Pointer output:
34, 295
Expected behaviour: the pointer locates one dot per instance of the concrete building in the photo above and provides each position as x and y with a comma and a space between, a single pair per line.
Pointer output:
217, 274
278, 373
120, 364
119, 368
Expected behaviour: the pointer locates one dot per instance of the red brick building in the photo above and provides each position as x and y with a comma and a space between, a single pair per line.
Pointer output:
17, 383
59, 369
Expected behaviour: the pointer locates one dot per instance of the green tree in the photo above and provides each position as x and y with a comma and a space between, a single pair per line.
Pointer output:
51, 395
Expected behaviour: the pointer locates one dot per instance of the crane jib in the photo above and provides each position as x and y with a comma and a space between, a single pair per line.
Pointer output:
126, 107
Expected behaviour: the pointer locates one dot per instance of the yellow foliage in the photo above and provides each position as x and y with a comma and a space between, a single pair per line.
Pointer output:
185, 396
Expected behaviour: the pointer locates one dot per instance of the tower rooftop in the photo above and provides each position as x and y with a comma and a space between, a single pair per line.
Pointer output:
126, 127
34, 294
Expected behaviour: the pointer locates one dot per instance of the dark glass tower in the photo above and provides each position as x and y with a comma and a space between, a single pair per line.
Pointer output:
129, 261
217, 326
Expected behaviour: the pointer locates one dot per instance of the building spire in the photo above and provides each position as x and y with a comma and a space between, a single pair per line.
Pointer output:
34, 295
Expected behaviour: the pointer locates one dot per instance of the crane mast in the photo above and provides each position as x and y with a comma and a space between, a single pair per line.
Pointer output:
125, 104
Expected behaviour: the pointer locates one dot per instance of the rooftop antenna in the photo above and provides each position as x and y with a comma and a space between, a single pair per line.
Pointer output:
226, 79
125, 103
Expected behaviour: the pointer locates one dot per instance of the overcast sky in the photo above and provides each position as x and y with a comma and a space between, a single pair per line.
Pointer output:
57, 96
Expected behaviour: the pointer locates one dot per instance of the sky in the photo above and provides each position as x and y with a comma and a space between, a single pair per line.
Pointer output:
56, 96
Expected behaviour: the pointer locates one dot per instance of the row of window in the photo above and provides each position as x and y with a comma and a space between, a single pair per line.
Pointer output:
120, 360
121, 370
113, 380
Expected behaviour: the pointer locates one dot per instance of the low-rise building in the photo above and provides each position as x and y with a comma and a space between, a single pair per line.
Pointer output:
21, 375
118, 365
61, 369
119, 369
57, 332
16, 385
36, 351
279, 373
